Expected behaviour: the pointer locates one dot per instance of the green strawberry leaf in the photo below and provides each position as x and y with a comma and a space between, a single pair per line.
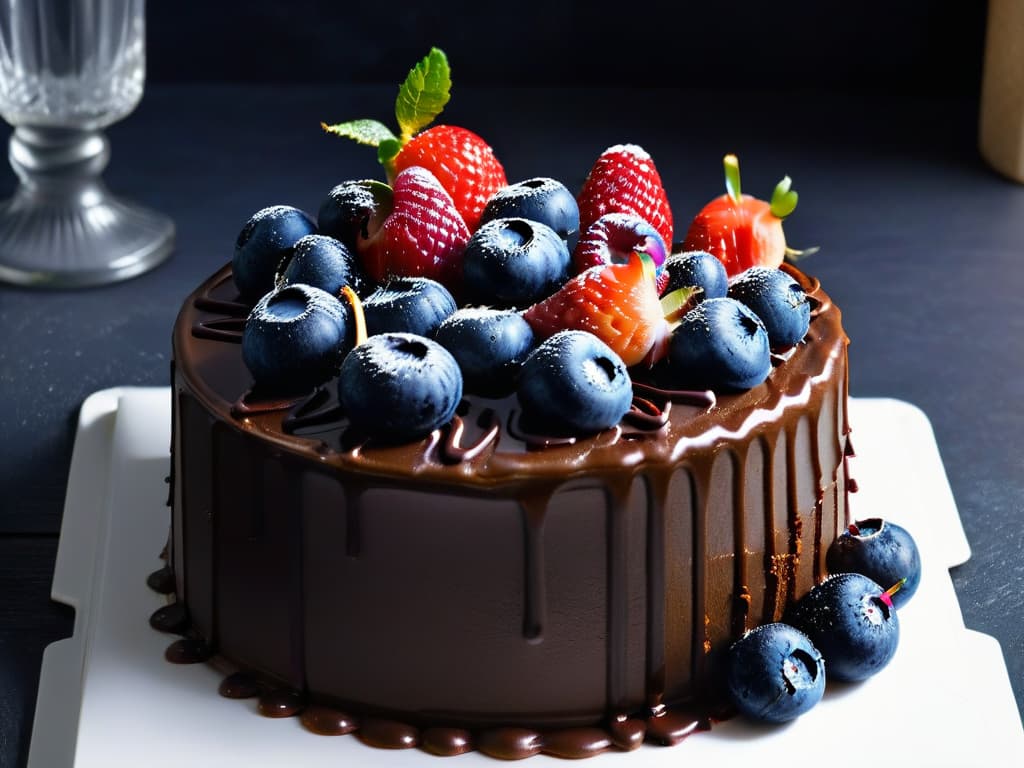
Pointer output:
783, 199
424, 94
370, 132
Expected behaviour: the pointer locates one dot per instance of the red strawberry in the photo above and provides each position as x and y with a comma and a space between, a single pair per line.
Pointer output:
423, 234
740, 230
617, 303
463, 162
624, 180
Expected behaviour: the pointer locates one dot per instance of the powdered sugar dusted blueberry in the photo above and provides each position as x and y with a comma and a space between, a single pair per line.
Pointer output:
295, 338
779, 300
513, 262
696, 269
721, 345
490, 345
851, 619
573, 381
397, 387
263, 246
540, 199
774, 673
352, 207
408, 304
324, 262
881, 550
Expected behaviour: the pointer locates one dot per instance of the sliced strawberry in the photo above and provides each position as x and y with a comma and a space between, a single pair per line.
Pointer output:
740, 230
618, 303
624, 180
422, 236
463, 162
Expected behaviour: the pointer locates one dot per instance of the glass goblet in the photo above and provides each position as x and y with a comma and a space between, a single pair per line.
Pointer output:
68, 69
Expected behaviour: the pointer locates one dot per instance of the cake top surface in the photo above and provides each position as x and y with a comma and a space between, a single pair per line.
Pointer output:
489, 442
455, 326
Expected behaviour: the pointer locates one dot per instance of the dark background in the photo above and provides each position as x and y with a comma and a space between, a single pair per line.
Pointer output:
918, 46
872, 108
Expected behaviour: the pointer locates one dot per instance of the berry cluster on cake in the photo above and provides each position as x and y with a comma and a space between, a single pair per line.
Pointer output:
462, 464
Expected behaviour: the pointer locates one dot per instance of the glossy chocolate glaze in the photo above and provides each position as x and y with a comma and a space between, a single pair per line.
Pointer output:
491, 587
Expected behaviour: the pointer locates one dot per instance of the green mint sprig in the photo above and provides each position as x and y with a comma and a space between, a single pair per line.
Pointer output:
421, 98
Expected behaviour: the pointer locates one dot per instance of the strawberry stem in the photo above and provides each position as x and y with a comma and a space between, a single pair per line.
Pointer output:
357, 312
732, 177
784, 198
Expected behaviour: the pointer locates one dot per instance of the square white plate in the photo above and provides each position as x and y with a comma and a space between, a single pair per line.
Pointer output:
108, 698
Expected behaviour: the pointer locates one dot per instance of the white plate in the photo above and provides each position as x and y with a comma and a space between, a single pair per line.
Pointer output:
107, 698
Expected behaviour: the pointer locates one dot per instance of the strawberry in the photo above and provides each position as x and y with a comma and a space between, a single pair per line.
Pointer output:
462, 161
743, 231
422, 235
624, 180
618, 303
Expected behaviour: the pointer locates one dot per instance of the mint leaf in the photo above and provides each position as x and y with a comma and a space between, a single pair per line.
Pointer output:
371, 132
423, 94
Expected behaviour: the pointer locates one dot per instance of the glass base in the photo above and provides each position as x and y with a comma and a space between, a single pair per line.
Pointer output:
62, 228
56, 244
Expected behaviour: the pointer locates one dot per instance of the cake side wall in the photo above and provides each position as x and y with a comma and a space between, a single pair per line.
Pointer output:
590, 601
551, 600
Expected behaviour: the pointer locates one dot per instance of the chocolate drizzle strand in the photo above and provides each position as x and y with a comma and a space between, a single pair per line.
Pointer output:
452, 452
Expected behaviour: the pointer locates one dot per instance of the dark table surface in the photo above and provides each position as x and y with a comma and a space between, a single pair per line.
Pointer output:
922, 246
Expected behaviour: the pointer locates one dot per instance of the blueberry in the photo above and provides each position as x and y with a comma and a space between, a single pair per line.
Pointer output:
397, 387
350, 207
697, 268
326, 263
777, 298
574, 382
882, 551
541, 199
264, 244
295, 338
775, 673
721, 345
514, 263
408, 304
489, 345
851, 621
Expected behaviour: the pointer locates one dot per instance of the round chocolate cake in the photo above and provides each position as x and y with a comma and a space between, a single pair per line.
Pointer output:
490, 586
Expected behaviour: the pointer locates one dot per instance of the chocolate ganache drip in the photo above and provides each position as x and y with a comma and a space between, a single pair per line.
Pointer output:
567, 595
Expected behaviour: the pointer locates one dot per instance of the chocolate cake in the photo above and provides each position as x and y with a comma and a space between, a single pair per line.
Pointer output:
489, 586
